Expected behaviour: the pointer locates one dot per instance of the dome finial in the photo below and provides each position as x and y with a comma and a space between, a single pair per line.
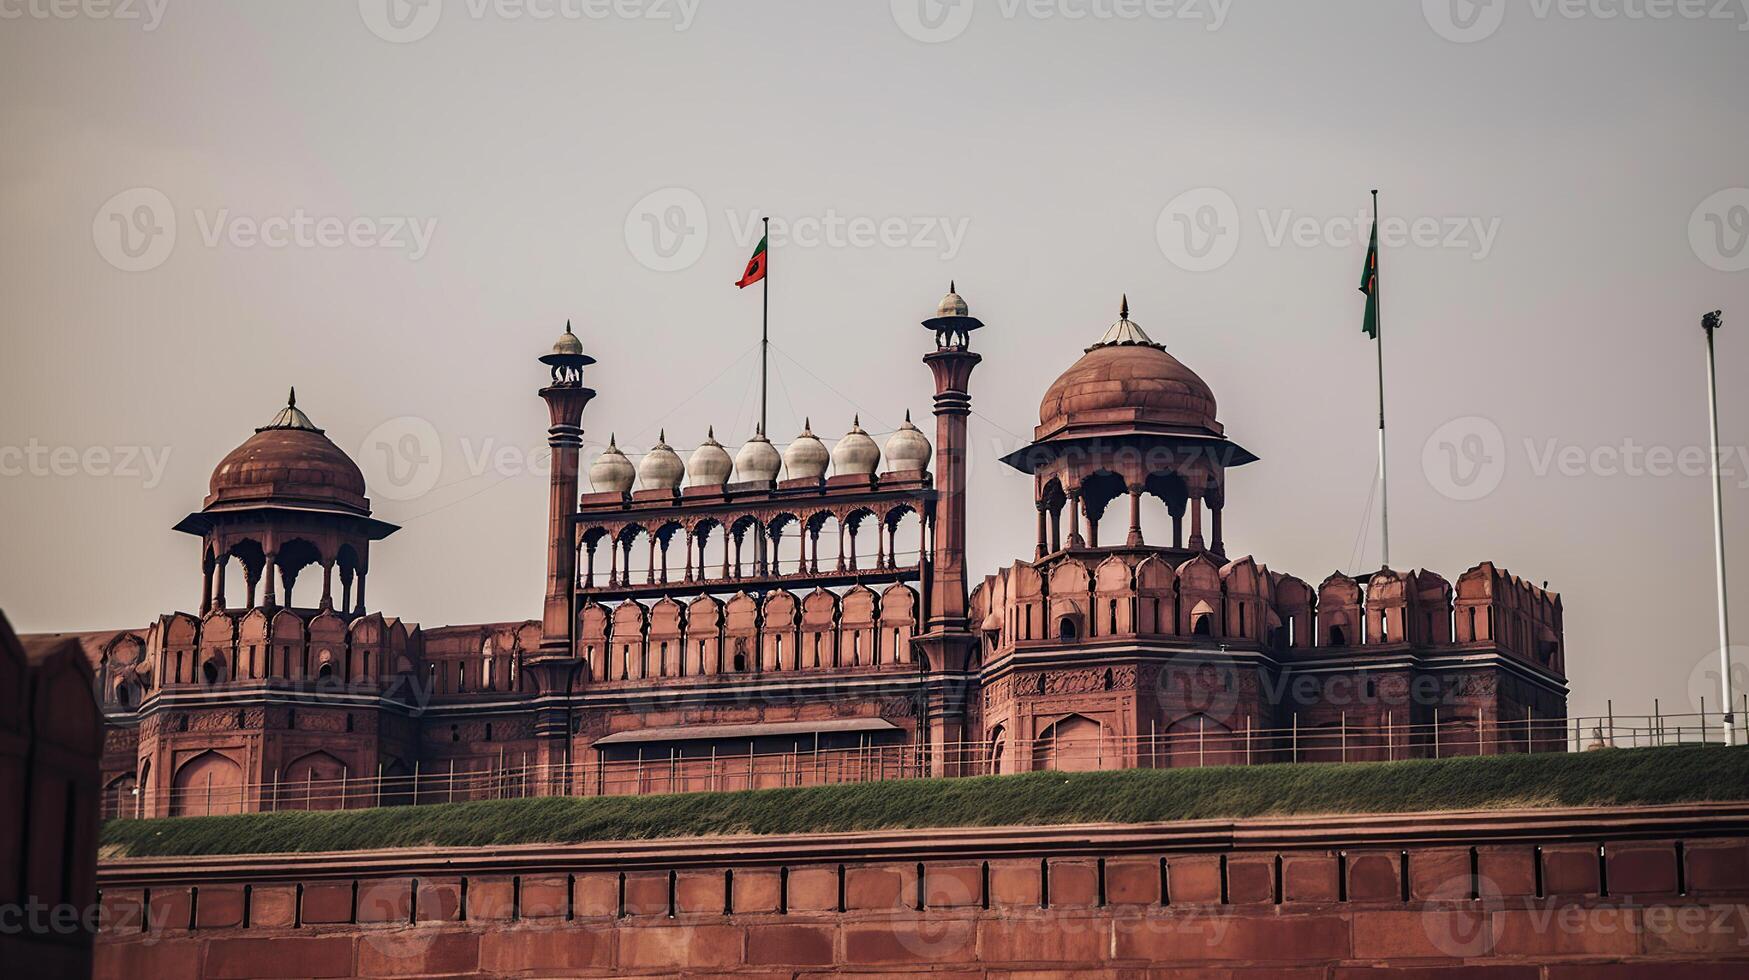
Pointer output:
610, 441
662, 435
1123, 311
951, 287
291, 400
710, 432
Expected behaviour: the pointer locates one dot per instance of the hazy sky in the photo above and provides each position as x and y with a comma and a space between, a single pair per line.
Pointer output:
396, 209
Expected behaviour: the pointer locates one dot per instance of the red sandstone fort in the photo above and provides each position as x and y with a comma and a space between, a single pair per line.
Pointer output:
772, 617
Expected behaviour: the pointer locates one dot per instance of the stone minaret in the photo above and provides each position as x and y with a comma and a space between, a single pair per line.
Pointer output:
947, 642
554, 665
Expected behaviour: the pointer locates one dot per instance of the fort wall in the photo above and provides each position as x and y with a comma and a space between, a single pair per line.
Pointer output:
1618, 892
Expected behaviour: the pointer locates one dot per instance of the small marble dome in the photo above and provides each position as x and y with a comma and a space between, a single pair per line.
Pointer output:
710, 465
758, 461
806, 457
951, 304
568, 345
908, 449
611, 472
856, 454
661, 468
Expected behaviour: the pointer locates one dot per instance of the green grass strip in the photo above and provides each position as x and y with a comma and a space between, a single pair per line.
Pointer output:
1599, 778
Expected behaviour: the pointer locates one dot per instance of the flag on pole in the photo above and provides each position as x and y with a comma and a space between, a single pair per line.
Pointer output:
1369, 284
755, 267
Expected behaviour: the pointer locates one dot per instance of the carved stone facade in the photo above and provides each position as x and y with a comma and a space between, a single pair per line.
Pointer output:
769, 620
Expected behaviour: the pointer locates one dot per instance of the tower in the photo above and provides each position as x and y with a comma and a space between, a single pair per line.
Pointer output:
947, 642
554, 665
565, 398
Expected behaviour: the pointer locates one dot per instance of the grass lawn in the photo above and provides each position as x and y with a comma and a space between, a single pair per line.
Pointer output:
1615, 776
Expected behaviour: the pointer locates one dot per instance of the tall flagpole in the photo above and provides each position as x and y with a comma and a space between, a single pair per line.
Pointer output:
1379, 344
765, 326
1711, 323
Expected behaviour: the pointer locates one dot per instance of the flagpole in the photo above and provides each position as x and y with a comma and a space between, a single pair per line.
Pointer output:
765, 326
1379, 345
1711, 323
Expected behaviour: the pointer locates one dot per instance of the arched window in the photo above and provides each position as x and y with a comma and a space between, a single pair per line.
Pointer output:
326, 671
1201, 626
1337, 636
486, 672
1066, 628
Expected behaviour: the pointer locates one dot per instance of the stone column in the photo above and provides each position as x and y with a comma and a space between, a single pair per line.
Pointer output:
1135, 538
1075, 540
270, 571
1040, 551
359, 609
1196, 543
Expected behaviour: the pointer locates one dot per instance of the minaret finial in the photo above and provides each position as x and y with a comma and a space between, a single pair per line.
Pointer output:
907, 415
291, 400
807, 424
951, 287
856, 421
610, 441
1123, 312
662, 436
567, 325
710, 432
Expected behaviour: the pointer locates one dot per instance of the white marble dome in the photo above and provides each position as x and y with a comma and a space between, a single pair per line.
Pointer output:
806, 457
856, 454
710, 465
661, 468
611, 472
758, 461
908, 449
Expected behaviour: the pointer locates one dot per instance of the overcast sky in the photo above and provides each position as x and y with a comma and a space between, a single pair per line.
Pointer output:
397, 208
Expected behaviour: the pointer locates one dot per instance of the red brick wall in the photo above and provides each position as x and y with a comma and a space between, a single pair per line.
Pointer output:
1622, 893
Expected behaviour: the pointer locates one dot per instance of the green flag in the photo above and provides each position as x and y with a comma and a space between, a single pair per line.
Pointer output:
1369, 284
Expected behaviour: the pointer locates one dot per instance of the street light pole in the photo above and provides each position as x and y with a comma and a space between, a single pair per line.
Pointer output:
1711, 323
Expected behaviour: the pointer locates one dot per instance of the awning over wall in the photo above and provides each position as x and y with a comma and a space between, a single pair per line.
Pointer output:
696, 733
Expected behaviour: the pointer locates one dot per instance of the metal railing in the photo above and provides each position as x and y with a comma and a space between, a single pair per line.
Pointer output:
686, 769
